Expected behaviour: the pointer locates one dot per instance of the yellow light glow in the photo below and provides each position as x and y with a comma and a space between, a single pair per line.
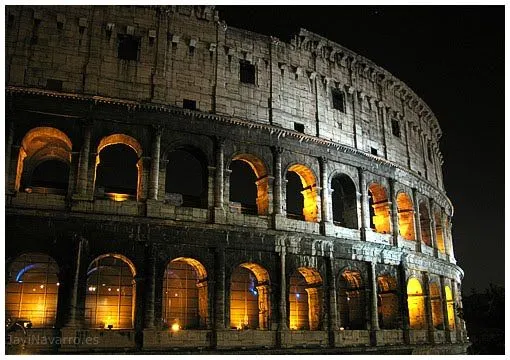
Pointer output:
176, 327
117, 197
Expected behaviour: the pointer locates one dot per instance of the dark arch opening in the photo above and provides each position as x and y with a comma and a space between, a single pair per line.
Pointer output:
186, 174
117, 170
295, 199
50, 174
352, 301
344, 201
243, 188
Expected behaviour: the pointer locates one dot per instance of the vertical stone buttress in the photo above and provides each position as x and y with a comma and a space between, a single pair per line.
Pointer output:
432, 223
76, 316
333, 309
150, 294
374, 314
417, 224
444, 308
283, 288
393, 211
278, 201
364, 203
219, 289
404, 308
155, 162
428, 307
218, 188
83, 162
325, 191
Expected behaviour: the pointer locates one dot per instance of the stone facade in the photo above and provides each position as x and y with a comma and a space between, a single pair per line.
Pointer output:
161, 79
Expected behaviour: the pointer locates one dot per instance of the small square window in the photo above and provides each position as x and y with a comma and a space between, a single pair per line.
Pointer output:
299, 127
247, 72
55, 85
395, 127
373, 151
338, 100
429, 152
128, 47
189, 104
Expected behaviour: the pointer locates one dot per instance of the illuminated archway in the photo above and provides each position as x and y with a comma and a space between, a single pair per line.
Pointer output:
186, 177
387, 302
379, 209
425, 224
31, 293
305, 299
119, 168
450, 308
249, 297
405, 216
307, 190
344, 202
42, 147
255, 182
436, 306
439, 233
416, 304
185, 294
352, 301
110, 292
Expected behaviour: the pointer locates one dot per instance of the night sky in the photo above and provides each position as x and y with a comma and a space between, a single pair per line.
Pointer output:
453, 58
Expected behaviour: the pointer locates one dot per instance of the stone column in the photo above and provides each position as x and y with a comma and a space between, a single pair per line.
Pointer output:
150, 296
283, 288
219, 289
404, 308
83, 163
444, 308
325, 192
277, 192
383, 110
432, 224
364, 203
445, 237
373, 297
459, 325
8, 149
76, 314
428, 307
394, 211
211, 176
154, 174
417, 224
333, 308
218, 186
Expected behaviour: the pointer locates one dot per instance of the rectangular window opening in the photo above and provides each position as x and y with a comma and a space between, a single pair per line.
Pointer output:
373, 151
395, 127
299, 127
338, 100
247, 72
189, 104
129, 47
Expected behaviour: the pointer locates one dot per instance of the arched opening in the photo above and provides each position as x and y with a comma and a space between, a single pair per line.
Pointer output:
416, 305
344, 201
387, 302
249, 184
425, 224
352, 301
185, 294
31, 293
439, 233
186, 178
450, 308
118, 168
43, 161
305, 299
249, 297
379, 209
405, 216
435, 303
301, 194
110, 293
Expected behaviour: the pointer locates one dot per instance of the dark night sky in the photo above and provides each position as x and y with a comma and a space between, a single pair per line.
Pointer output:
453, 58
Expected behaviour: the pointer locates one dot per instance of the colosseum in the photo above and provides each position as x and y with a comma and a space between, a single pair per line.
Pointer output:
177, 185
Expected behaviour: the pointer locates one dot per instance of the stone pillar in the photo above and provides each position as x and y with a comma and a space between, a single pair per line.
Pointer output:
417, 224
445, 237
333, 308
325, 192
219, 184
219, 289
444, 307
404, 308
73, 171
278, 183
154, 174
283, 288
460, 324
211, 186
83, 163
150, 296
383, 110
364, 203
394, 211
226, 188
8, 149
428, 307
76, 314
432, 224
374, 314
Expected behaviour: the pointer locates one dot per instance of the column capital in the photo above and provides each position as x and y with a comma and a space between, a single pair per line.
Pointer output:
277, 150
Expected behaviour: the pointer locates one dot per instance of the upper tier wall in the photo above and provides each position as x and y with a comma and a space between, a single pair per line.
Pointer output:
184, 52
